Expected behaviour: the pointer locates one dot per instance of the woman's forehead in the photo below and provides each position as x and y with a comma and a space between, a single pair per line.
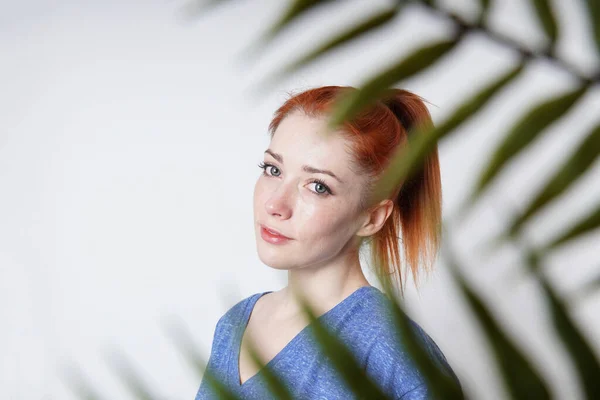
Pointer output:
300, 136
309, 133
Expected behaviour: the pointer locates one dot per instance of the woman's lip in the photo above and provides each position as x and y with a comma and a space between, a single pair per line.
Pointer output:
273, 232
271, 238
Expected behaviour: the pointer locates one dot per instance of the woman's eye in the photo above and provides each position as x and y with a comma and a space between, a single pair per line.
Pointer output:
264, 167
320, 184
321, 189
274, 170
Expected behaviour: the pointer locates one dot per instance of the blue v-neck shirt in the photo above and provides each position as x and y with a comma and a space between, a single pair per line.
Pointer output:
364, 323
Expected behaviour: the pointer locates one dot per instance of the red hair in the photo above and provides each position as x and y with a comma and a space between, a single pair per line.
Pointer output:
374, 135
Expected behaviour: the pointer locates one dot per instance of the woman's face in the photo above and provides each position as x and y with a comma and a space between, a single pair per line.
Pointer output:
320, 218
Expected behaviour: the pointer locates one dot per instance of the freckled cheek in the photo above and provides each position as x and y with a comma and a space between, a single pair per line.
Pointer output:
262, 192
317, 223
256, 195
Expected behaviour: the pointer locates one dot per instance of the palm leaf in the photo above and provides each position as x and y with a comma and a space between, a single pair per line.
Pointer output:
484, 6
588, 289
546, 16
415, 63
130, 377
585, 225
376, 21
219, 387
405, 160
519, 376
524, 132
182, 340
581, 353
566, 176
295, 10
80, 385
593, 7
197, 8
276, 385
442, 385
342, 358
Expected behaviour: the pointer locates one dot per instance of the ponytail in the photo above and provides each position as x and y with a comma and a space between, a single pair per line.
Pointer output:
417, 209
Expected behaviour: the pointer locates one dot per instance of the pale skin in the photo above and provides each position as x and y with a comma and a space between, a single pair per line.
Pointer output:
324, 228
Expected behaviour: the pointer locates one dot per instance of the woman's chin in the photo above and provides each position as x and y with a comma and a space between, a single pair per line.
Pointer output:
274, 259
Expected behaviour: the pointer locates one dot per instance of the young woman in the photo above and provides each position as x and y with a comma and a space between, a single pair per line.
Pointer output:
312, 215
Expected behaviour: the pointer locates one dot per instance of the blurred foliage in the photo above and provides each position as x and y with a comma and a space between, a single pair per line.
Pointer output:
516, 370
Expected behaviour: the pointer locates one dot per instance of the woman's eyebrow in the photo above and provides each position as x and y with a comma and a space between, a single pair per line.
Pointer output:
306, 168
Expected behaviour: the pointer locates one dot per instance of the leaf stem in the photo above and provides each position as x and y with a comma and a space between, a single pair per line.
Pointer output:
502, 39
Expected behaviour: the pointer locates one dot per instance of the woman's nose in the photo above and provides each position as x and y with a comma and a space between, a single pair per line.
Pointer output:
280, 201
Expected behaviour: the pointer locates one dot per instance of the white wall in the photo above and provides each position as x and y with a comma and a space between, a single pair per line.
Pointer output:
128, 145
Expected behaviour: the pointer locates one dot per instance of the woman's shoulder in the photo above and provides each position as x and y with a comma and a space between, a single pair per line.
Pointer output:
387, 349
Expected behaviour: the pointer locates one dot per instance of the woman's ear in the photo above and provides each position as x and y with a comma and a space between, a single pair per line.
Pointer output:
376, 217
